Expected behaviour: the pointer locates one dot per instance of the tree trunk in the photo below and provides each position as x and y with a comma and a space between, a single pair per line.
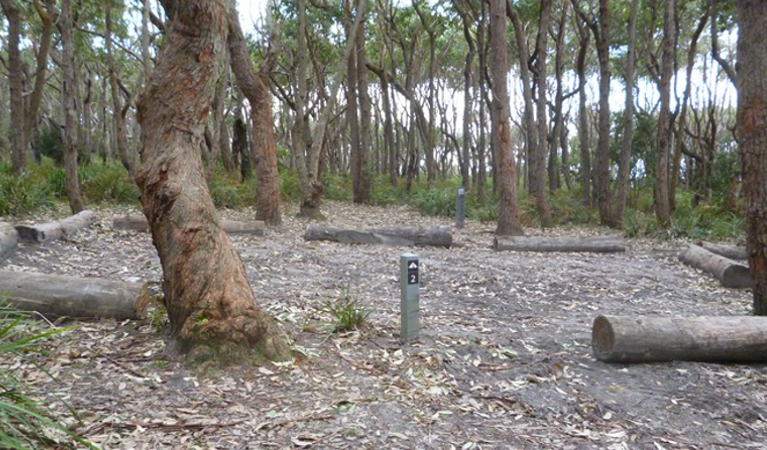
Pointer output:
657, 339
44, 47
211, 306
9, 237
15, 76
39, 233
583, 120
752, 136
662, 207
67, 296
254, 86
596, 244
603, 143
118, 111
88, 117
506, 171
362, 187
356, 158
240, 147
624, 168
538, 175
468, 81
730, 273
555, 180
68, 90
435, 237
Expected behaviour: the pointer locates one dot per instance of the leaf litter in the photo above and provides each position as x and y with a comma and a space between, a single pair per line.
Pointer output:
503, 361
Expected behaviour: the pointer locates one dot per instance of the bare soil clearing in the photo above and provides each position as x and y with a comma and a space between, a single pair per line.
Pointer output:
504, 361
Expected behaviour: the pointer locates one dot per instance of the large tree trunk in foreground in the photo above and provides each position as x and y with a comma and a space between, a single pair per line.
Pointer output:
39, 233
752, 136
139, 223
9, 237
64, 295
212, 309
506, 173
255, 87
436, 236
704, 339
600, 244
730, 273
728, 251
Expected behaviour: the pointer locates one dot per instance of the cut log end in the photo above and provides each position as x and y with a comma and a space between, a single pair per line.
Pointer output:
602, 338
9, 237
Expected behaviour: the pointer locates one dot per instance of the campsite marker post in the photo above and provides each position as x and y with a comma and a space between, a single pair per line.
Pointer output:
410, 312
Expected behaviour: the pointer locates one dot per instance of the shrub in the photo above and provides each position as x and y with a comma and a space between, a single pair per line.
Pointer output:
20, 195
348, 312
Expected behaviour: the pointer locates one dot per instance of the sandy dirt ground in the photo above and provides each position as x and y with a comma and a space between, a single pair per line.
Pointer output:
504, 360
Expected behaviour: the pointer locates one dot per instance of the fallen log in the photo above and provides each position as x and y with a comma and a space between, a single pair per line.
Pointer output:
703, 339
435, 236
596, 244
39, 233
137, 222
9, 237
730, 273
728, 251
66, 296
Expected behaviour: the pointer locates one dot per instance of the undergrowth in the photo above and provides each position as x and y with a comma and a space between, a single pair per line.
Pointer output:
43, 185
24, 422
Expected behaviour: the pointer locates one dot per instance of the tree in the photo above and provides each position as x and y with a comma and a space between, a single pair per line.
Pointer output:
506, 171
624, 168
68, 94
11, 11
600, 28
119, 110
752, 136
538, 170
212, 309
254, 86
665, 128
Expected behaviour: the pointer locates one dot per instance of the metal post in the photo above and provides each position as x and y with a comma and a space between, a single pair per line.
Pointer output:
460, 199
409, 302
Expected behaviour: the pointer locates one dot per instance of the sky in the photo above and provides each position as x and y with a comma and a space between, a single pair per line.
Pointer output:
251, 11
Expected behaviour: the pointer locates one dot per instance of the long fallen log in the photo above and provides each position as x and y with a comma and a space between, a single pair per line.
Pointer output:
728, 251
39, 233
704, 339
730, 273
9, 237
57, 295
596, 244
435, 236
135, 222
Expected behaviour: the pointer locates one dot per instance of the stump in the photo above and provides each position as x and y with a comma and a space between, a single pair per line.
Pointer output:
59, 296
730, 273
596, 244
704, 339
728, 251
136, 222
39, 233
436, 236
9, 237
